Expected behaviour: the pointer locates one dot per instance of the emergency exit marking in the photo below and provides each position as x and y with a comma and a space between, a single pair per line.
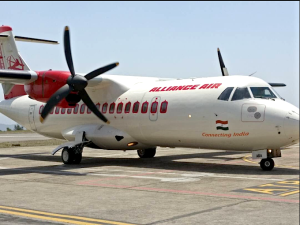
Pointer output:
280, 188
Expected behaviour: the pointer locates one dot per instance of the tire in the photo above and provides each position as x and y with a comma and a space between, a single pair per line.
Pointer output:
77, 158
146, 153
267, 164
67, 156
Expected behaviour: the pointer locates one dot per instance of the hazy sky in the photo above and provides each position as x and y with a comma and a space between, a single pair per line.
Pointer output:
164, 39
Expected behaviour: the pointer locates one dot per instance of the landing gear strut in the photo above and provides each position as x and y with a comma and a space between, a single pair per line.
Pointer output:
71, 155
267, 164
146, 153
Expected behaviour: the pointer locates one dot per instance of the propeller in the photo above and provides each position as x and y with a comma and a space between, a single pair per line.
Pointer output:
75, 83
222, 65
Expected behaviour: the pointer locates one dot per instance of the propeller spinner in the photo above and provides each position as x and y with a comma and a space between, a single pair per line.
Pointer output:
75, 83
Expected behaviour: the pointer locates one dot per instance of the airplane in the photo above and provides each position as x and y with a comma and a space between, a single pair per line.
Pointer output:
114, 112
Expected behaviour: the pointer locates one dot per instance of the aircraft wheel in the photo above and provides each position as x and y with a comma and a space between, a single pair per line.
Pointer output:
77, 158
66, 156
267, 164
146, 153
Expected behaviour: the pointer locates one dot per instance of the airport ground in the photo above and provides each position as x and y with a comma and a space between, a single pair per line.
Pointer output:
178, 186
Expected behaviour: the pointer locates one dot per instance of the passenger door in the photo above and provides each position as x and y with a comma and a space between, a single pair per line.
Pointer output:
154, 108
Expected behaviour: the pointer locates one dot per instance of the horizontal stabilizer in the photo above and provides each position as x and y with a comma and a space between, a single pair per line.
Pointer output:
2, 36
277, 84
28, 39
17, 76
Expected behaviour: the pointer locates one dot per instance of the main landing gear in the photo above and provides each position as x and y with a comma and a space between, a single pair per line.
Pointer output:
146, 153
71, 155
267, 164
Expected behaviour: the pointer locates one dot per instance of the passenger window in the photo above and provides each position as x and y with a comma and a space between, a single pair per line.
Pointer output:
63, 111
120, 108
241, 93
225, 94
127, 107
163, 107
145, 107
69, 111
76, 109
112, 108
136, 106
57, 110
98, 106
262, 92
154, 107
82, 109
41, 109
88, 111
104, 108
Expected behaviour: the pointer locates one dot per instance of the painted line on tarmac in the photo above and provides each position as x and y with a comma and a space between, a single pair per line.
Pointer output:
140, 176
93, 183
247, 159
279, 188
56, 217
184, 177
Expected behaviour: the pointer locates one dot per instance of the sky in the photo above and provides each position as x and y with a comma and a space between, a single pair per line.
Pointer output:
164, 39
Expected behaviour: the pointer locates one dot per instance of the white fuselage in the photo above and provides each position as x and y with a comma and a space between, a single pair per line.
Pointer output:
194, 117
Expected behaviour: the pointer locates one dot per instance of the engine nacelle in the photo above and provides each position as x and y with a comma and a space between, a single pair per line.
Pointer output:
47, 84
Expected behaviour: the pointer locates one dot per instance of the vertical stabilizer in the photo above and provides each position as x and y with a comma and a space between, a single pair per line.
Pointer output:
10, 59
9, 56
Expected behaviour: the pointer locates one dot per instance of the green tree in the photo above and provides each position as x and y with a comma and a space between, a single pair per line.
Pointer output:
18, 127
8, 129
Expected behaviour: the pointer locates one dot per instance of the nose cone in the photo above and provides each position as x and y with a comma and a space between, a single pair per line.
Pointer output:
291, 125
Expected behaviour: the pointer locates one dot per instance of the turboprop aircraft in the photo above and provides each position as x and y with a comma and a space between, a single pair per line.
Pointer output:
241, 113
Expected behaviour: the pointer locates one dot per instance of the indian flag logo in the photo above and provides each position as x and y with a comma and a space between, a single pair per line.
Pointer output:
222, 125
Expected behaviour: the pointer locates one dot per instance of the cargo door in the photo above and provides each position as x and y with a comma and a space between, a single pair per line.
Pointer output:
31, 117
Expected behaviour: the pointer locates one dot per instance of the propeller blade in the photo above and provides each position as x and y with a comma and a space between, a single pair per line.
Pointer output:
222, 65
59, 95
101, 70
68, 52
89, 103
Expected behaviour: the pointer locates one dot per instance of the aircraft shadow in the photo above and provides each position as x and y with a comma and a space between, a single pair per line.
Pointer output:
169, 162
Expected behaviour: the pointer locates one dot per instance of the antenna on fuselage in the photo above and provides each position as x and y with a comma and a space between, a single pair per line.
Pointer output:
222, 65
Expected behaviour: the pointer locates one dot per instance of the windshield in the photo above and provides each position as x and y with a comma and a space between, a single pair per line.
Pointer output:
240, 93
276, 93
225, 94
262, 92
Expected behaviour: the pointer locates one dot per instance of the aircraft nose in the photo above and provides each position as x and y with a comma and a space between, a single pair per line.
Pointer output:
291, 125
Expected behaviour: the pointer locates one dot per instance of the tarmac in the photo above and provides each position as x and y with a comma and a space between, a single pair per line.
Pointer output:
9, 137
177, 186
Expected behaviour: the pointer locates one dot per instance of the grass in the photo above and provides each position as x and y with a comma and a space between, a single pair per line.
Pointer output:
31, 143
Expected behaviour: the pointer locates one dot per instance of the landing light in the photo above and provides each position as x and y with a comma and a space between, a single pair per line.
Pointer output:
132, 144
190, 116
269, 150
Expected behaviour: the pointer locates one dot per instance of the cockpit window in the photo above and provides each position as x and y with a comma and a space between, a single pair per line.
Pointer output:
225, 94
240, 93
262, 92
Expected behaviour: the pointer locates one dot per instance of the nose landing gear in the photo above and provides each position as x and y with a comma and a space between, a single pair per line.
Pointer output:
267, 164
71, 155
